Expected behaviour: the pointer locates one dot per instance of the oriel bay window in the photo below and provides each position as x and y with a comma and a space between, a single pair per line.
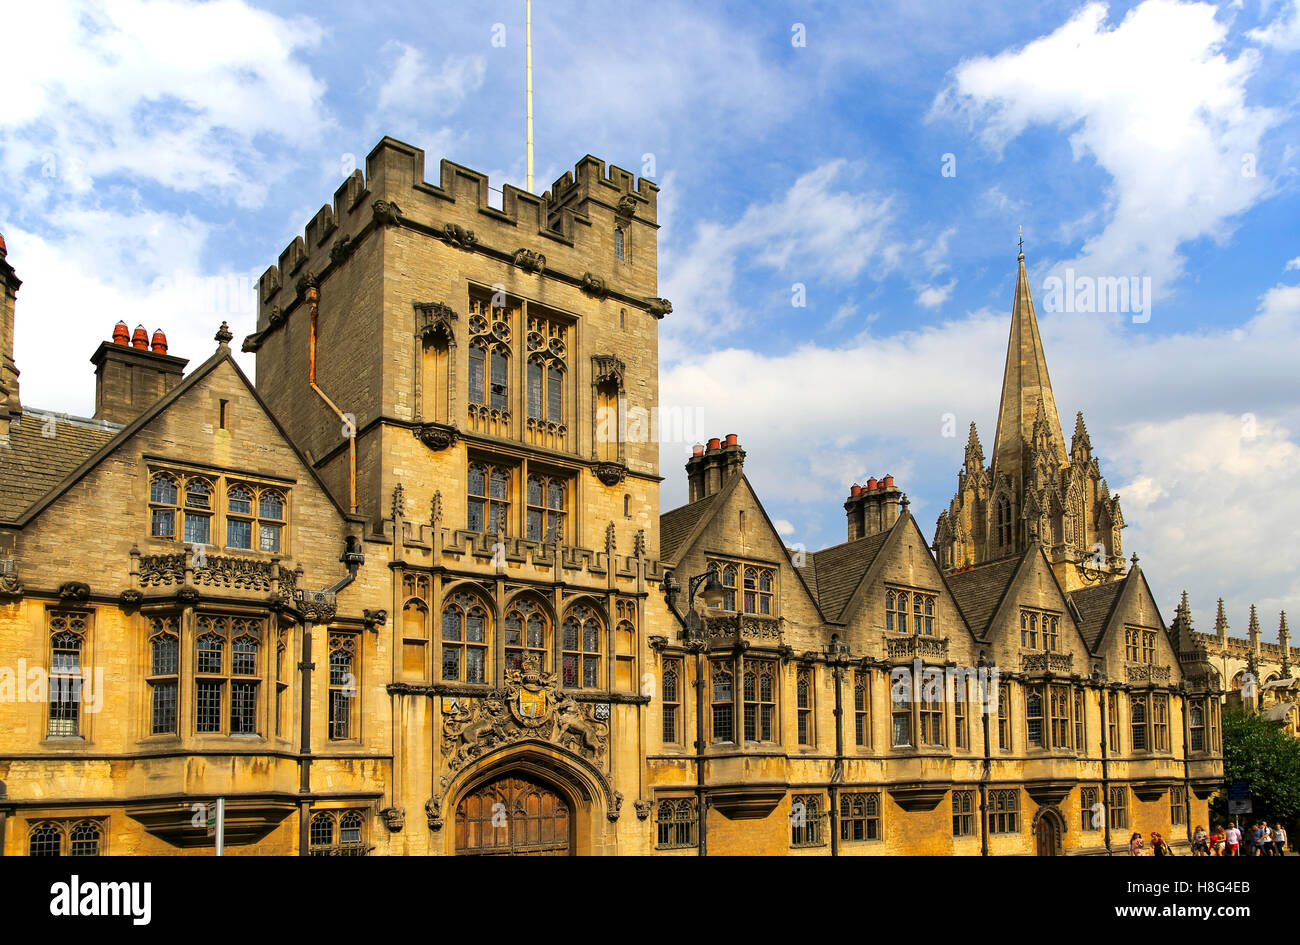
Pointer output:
254, 514
227, 676
860, 816
804, 704
1034, 716
861, 709
671, 691
1160, 722
1059, 706
1004, 811
1138, 719
722, 690
1039, 630
930, 713
1196, 725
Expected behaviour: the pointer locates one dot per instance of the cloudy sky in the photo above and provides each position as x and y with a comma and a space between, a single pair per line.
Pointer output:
842, 192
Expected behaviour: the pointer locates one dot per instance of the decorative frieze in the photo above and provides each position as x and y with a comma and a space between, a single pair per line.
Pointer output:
1046, 662
1147, 672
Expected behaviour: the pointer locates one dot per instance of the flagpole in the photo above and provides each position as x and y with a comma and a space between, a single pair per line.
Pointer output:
528, 72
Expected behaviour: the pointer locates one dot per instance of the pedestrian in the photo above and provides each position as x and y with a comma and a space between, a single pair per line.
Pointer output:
1199, 845
1232, 840
1158, 845
1264, 842
1279, 840
1135, 844
1216, 841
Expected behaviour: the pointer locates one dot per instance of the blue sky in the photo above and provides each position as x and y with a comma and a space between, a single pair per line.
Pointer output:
159, 155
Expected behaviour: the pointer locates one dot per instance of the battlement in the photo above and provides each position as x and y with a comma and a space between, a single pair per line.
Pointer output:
565, 228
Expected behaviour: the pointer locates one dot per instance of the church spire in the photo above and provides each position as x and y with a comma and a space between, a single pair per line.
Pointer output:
1025, 382
1221, 622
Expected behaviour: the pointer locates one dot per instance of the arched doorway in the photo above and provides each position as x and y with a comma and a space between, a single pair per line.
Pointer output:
513, 815
1047, 832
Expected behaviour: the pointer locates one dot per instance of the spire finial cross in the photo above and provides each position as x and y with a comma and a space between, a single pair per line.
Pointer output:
1022, 240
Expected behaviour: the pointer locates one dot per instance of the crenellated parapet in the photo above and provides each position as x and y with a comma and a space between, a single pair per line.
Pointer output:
561, 230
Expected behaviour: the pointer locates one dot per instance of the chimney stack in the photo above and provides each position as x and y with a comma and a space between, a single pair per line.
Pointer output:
872, 508
131, 377
10, 406
712, 466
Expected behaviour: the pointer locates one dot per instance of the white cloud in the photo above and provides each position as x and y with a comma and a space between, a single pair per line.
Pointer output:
783, 527
413, 85
1157, 103
170, 93
1293, 264
932, 296
823, 228
1284, 32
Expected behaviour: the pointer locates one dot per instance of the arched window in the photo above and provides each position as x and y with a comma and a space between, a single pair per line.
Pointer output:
163, 505
164, 664
45, 840
1138, 718
1034, 717
729, 582
527, 632
337, 833
672, 701
477, 361
488, 509
198, 511
627, 506
625, 657
222, 682
724, 706
1004, 522
343, 685
580, 650
675, 823
67, 640
83, 839
464, 640
546, 507
619, 243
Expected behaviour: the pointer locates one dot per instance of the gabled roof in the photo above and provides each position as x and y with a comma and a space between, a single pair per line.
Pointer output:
677, 525
1096, 605
979, 590
222, 354
837, 571
32, 463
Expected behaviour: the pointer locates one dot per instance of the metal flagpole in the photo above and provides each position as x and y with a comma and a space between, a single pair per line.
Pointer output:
528, 72
221, 826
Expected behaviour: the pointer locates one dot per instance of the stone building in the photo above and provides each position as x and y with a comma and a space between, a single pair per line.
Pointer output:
412, 593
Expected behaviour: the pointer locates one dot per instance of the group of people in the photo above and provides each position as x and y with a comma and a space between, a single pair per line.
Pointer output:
1245, 840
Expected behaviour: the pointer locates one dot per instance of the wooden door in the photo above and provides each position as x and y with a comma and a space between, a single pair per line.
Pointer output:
513, 816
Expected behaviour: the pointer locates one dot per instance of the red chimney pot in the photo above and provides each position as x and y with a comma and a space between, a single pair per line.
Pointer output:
889, 482
733, 439
872, 484
159, 344
855, 490
697, 449
140, 337
715, 443
121, 334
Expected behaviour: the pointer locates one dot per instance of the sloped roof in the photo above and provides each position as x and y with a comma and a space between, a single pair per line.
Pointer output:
1279, 712
837, 571
979, 590
1095, 605
32, 464
676, 525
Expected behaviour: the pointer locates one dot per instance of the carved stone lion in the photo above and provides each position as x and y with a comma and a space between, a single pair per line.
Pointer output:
573, 729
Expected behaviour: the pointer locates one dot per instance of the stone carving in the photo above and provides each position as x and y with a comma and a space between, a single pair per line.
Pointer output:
435, 509
436, 436
615, 806
643, 808
626, 206
342, 249
374, 618
306, 281
386, 212
74, 591
130, 598
434, 322
659, 307
11, 588
399, 502
611, 474
1046, 662
638, 544
456, 235
607, 369
742, 627
275, 318
1147, 672
594, 286
394, 818
530, 706
913, 646
316, 606
433, 811
610, 542
529, 261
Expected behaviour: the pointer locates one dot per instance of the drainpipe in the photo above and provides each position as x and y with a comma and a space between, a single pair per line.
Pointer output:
1187, 771
313, 299
837, 659
700, 798
987, 769
1105, 756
